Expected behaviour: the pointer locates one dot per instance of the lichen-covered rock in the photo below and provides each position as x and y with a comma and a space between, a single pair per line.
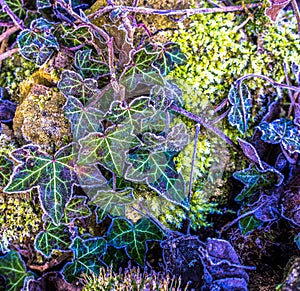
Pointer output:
40, 118
292, 279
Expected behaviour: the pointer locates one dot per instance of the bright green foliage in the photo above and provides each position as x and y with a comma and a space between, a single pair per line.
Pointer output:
240, 112
52, 238
132, 114
13, 269
254, 179
83, 120
108, 148
76, 208
132, 279
112, 202
89, 65
17, 6
249, 223
123, 233
72, 84
142, 71
156, 168
87, 254
170, 55
281, 131
53, 175
38, 44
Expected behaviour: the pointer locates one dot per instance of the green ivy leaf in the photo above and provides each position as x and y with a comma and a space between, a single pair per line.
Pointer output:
17, 7
256, 179
71, 84
131, 114
249, 223
142, 71
89, 66
87, 254
73, 37
84, 120
176, 139
13, 269
6, 170
157, 169
76, 208
133, 238
156, 123
52, 238
281, 131
170, 55
37, 44
108, 148
163, 96
53, 175
112, 202
240, 112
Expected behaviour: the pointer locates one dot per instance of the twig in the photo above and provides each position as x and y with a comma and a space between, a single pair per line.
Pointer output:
9, 32
231, 223
16, 20
207, 125
184, 12
297, 13
290, 92
275, 84
8, 54
6, 23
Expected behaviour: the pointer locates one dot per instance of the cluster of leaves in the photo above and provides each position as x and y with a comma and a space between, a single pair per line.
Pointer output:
260, 197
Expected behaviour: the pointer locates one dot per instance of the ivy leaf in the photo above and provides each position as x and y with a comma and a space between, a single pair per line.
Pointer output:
38, 43
17, 7
112, 202
123, 233
84, 120
132, 114
142, 71
156, 123
53, 175
163, 96
71, 84
108, 148
240, 112
297, 240
73, 37
249, 223
281, 131
13, 269
87, 254
52, 238
255, 180
89, 66
6, 170
170, 55
76, 208
175, 140
157, 169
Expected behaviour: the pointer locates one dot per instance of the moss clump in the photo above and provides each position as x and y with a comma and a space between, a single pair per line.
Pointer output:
40, 119
130, 279
20, 217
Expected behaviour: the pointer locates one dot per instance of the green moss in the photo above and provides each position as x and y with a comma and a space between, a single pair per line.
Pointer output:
130, 279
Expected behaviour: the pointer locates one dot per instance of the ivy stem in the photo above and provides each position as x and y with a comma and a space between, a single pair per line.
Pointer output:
274, 83
297, 13
16, 20
184, 12
204, 123
8, 54
6, 34
290, 92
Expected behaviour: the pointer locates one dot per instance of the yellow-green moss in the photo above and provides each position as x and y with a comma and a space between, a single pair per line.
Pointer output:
132, 279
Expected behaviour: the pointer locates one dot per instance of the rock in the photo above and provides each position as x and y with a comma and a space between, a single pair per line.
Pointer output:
40, 119
292, 279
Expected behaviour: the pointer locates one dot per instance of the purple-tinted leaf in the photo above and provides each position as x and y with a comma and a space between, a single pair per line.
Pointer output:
281, 131
53, 175
241, 104
76, 208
